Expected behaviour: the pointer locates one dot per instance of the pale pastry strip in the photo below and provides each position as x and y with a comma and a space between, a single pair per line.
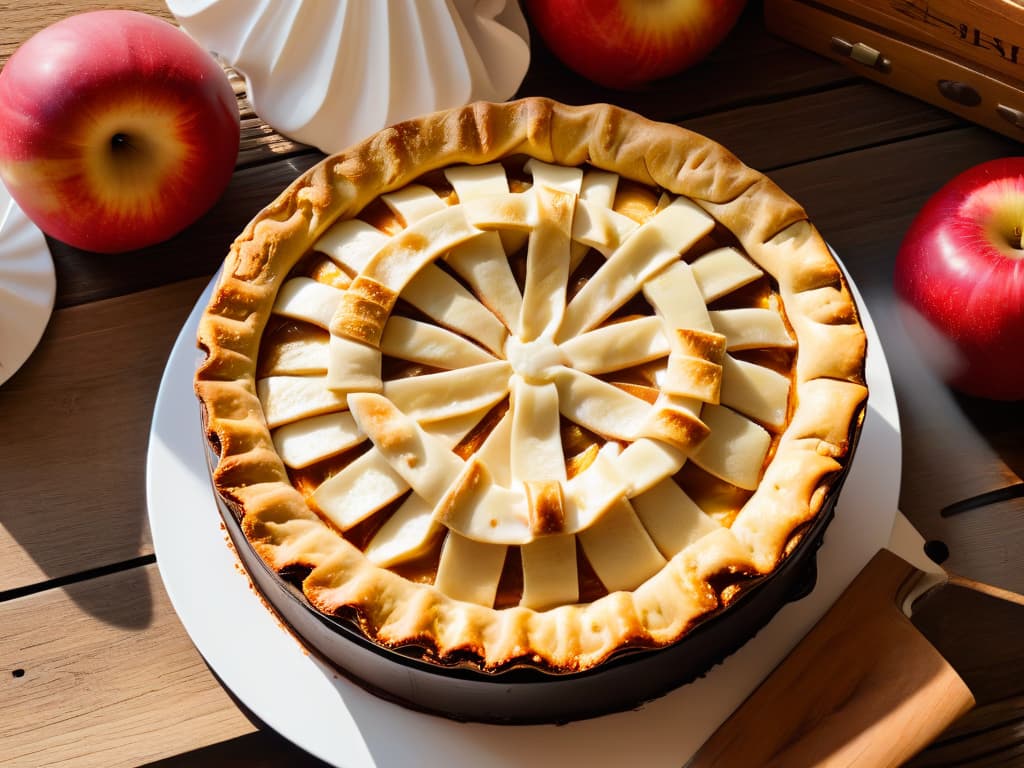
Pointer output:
308, 357
675, 421
591, 493
565, 179
475, 507
547, 266
483, 264
303, 298
617, 346
755, 391
471, 181
722, 271
450, 431
408, 533
351, 244
646, 462
423, 461
561, 177
750, 328
360, 489
352, 366
694, 367
290, 398
483, 261
438, 396
599, 187
470, 570
616, 281
600, 407
305, 442
598, 191
496, 451
687, 376
429, 344
442, 298
409, 251
413, 202
546, 502
651, 248
676, 298
516, 210
736, 448
536, 449
672, 519
595, 226
620, 550
549, 572
363, 311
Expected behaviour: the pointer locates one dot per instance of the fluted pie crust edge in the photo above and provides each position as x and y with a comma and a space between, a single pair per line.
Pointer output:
773, 230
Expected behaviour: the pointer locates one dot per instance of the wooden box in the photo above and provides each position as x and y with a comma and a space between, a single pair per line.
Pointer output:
966, 56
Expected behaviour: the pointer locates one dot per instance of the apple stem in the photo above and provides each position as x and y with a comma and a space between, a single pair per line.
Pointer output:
1015, 238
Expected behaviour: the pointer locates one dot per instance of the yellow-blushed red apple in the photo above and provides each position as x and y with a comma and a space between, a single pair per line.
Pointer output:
625, 43
959, 280
117, 130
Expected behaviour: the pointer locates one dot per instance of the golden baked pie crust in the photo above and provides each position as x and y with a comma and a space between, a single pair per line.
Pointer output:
772, 229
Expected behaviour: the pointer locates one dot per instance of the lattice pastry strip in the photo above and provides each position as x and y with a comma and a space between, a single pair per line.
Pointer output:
438, 396
549, 573
298, 357
620, 549
290, 398
480, 509
407, 534
372, 481
617, 346
362, 488
353, 244
672, 519
722, 271
470, 570
756, 391
305, 442
752, 328
482, 262
471, 182
651, 248
302, 298
735, 448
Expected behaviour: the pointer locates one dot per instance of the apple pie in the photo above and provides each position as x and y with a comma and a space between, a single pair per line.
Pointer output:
530, 384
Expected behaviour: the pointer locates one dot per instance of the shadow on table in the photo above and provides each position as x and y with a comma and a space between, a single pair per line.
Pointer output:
72, 462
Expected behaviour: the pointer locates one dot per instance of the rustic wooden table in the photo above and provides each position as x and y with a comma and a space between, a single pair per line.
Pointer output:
95, 668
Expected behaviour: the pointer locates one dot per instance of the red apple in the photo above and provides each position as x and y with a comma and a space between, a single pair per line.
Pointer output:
960, 280
117, 130
624, 43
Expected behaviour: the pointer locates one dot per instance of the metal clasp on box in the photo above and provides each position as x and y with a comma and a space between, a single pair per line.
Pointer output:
862, 54
1011, 115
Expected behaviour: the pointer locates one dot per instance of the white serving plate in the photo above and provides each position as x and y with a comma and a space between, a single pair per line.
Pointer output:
28, 286
318, 709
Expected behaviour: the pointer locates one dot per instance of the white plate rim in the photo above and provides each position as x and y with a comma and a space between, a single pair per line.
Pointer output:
28, 286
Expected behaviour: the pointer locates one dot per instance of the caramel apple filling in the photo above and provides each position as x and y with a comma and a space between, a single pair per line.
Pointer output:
526, 384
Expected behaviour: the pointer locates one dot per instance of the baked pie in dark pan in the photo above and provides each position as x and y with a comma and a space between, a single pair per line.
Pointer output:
525, 412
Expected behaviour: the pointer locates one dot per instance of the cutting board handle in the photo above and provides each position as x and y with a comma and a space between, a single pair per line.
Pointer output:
863, 689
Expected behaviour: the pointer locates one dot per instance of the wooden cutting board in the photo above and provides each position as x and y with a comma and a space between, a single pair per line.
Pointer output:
863, 689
